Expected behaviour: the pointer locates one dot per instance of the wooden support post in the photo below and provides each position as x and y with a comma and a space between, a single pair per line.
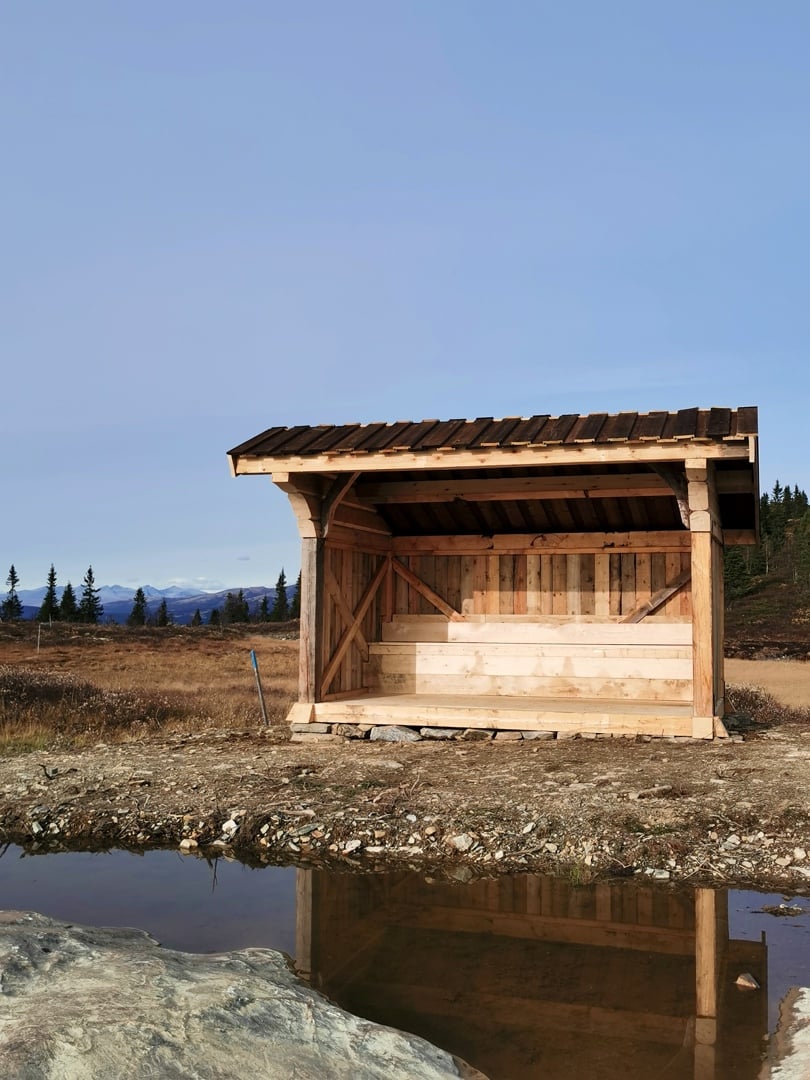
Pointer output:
707, 595
705, 983
310, 663
304, 922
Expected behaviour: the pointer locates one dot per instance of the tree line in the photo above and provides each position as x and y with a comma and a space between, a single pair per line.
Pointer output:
783, 550
87, 608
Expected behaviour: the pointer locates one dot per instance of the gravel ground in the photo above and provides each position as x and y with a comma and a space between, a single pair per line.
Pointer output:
734, 811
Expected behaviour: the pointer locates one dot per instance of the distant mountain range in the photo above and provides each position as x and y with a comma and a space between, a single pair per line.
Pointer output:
180, 603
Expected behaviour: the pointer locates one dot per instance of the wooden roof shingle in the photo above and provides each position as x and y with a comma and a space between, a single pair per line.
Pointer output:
716, 424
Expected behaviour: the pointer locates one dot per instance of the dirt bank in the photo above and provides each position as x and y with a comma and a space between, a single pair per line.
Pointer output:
732, 811
735, 811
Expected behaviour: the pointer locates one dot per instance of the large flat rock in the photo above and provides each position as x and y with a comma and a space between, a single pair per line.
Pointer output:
82, 1003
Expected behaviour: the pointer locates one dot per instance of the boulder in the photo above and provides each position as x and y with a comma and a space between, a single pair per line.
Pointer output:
81, 1002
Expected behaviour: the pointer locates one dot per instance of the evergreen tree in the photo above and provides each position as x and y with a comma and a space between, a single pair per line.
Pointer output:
214, 619
68, 608
281, 609
263, 614
295, 606
90, 607
196, 618
162, 613
235, 609
11, 609
735, 573
49, 609
137, 617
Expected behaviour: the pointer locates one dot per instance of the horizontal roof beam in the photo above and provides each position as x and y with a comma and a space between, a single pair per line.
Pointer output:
516, 487
611, 454
542, 543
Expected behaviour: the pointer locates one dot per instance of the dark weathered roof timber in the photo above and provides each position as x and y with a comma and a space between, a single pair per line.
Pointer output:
513, 432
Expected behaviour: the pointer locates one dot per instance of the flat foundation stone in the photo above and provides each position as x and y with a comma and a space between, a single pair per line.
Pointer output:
394, 733
508, 736
537, 735
439, 732
313, 729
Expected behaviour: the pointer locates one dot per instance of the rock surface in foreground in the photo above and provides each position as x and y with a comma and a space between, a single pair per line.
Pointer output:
81, 1003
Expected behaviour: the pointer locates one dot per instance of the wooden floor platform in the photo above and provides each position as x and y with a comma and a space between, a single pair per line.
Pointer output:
611, 717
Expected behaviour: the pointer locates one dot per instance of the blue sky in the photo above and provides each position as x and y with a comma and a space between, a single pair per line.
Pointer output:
220, 217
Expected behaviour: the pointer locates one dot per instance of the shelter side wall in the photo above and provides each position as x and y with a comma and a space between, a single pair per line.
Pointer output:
352, 616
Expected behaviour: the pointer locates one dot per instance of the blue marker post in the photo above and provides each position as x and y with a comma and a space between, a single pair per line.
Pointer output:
255, 663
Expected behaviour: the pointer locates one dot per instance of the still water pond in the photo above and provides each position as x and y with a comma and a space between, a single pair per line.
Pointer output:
524, 976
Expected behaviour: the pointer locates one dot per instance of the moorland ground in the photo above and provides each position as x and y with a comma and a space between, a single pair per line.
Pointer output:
153, 737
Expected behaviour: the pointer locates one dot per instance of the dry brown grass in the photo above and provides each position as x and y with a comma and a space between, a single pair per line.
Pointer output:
116, 682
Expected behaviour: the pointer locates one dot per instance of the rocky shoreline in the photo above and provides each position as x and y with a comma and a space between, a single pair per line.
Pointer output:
730, 812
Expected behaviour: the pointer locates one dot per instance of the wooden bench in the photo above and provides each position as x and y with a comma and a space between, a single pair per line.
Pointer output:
518, 657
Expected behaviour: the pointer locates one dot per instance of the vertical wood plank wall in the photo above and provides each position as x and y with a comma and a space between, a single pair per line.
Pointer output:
352, 571
594, 587
601, 586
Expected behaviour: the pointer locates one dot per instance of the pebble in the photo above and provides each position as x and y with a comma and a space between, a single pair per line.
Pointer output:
463, 842
352, 845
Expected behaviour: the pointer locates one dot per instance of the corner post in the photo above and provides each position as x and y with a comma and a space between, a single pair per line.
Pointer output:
707, 600
310, 666
706, 971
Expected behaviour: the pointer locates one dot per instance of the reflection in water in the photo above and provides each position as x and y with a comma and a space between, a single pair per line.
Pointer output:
534, 977
525, 977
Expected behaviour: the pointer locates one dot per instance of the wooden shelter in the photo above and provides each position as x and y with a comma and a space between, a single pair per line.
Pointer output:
529, 574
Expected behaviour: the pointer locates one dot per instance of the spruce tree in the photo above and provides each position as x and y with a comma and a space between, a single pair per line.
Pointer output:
49, 609
137, 617
281, 609
295, 606
735, 572
196, 618
214, 619
263, 613
90, 607
163, 613
236, 609
11, 609
68, 608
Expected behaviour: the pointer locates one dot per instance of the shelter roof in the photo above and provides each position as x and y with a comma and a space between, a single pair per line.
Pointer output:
715, 425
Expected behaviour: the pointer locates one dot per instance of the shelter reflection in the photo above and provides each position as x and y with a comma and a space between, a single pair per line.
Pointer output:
529, 977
